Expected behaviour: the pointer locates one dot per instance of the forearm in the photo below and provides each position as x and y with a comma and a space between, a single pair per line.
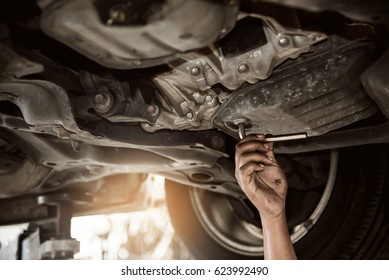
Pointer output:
276, 238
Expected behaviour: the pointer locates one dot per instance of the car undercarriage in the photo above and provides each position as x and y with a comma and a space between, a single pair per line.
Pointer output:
95, 95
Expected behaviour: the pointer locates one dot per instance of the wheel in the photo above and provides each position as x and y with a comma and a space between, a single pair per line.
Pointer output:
344, 216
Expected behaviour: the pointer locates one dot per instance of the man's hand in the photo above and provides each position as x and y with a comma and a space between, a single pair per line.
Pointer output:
264, 183
260, 176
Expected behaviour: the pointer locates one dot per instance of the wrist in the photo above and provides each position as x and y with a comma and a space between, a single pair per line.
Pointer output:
273, 220
272, 213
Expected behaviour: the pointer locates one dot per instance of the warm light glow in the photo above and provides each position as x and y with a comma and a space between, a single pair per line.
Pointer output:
139, 235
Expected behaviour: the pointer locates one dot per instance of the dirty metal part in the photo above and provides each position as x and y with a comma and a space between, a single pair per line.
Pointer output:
46, 109
11, 157
20, 173
195, 71
97, 139
44, 105
243, 57
153, 110
318, 94
117, 153
114, 37
354, 137
12, 65
17, 210
129, 102
183, 106
103, 101
27, 178
375, 81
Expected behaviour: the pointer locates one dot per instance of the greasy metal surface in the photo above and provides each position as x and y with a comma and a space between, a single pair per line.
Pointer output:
99, 148
179, 26
116, 101
378, 134
315, 95
44, 105
12, 65
210, 66
188, 102
26, 175
376, 82
183, 106
21, 209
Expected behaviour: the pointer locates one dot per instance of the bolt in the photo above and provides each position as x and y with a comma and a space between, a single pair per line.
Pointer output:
209, 98
283, 42
189, 115
99, 98
195, 71
238, 121
103, 101
118, 14
242, 68
152, 110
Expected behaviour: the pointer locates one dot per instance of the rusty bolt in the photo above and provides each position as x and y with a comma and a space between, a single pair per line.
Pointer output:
103, 101
152, 110
189, 116
243, 68
209, 98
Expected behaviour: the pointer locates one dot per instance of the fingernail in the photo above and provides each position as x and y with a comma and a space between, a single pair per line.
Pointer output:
266, 146
270, 158
260, 136
261, 165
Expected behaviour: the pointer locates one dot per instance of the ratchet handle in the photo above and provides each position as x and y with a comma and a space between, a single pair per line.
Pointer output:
242, 134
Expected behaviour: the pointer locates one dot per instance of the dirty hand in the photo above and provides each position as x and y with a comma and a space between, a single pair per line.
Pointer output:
260, 176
